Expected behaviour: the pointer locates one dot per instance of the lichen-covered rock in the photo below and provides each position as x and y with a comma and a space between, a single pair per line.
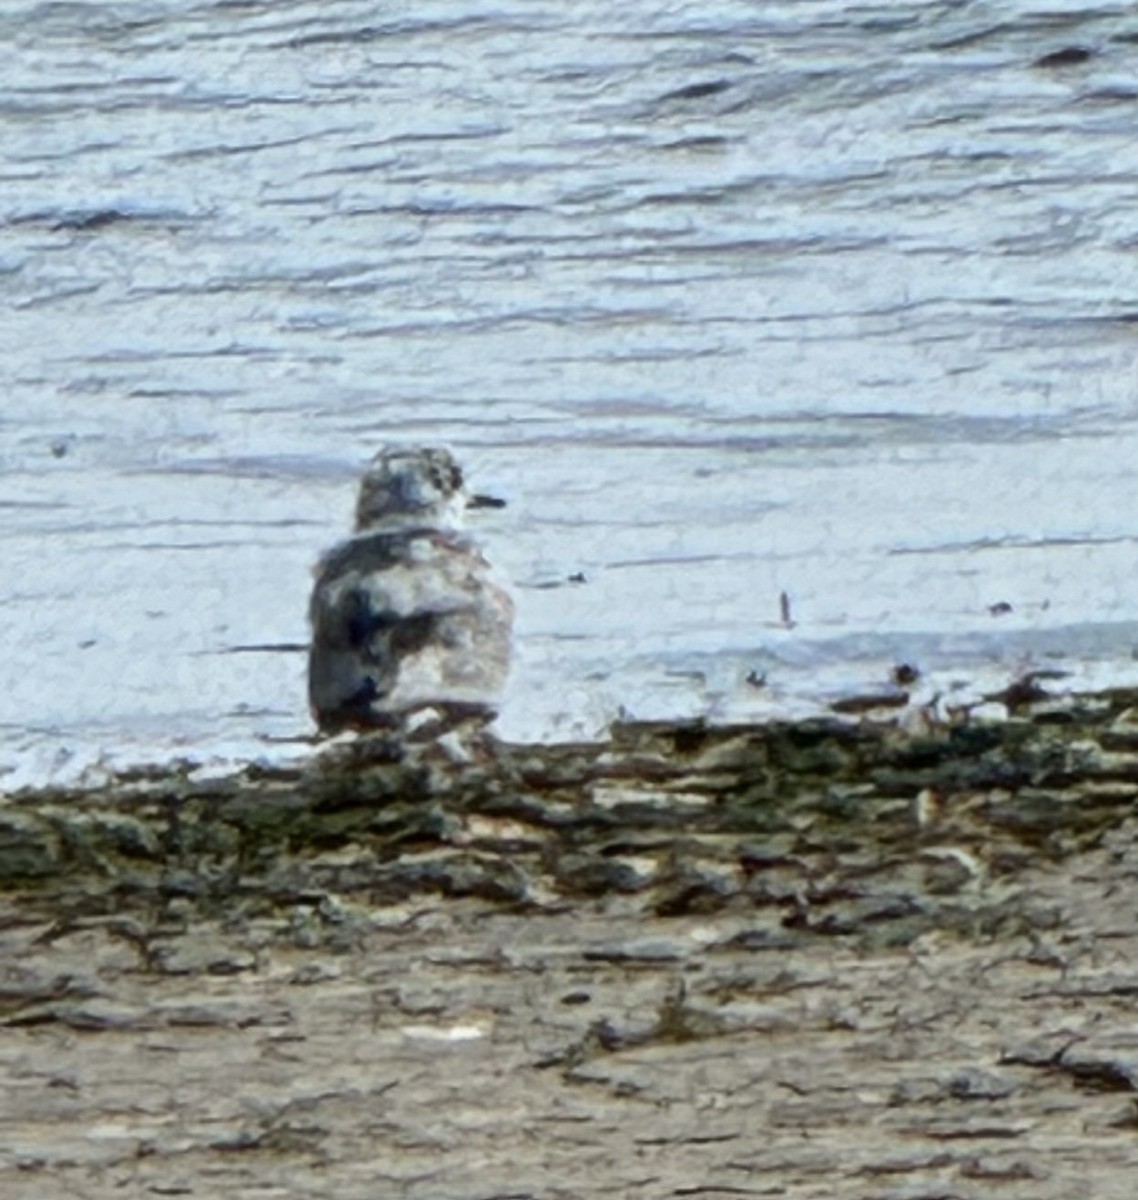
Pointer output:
676, 817
29, 848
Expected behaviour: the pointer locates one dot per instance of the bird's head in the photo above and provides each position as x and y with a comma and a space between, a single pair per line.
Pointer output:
411, 486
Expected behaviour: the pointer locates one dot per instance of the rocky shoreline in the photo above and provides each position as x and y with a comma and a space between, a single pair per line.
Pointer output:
844, 956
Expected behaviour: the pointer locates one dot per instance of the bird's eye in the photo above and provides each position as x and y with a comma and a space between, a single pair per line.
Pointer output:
446, 477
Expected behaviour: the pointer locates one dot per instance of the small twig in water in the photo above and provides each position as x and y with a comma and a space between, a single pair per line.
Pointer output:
784, 609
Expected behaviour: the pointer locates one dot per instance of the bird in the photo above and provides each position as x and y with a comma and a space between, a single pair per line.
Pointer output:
408, 617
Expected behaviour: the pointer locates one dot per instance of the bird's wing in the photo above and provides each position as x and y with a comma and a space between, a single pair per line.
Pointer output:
392, 617
352, 663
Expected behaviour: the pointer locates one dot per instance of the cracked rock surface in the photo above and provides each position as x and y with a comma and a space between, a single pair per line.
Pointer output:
823, 959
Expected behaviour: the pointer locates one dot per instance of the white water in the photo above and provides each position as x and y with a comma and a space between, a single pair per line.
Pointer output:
727, 300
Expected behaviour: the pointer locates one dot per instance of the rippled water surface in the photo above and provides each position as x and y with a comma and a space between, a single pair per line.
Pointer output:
727, 300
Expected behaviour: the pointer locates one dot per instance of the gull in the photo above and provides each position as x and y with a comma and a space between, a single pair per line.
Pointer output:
408, 619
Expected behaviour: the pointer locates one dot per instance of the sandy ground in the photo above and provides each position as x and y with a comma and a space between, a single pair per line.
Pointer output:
461, 1052
560, 987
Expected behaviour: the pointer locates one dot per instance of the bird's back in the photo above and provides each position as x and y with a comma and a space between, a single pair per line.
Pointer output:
405, 620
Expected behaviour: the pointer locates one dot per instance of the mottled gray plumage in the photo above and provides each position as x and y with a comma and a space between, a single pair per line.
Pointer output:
407, 615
